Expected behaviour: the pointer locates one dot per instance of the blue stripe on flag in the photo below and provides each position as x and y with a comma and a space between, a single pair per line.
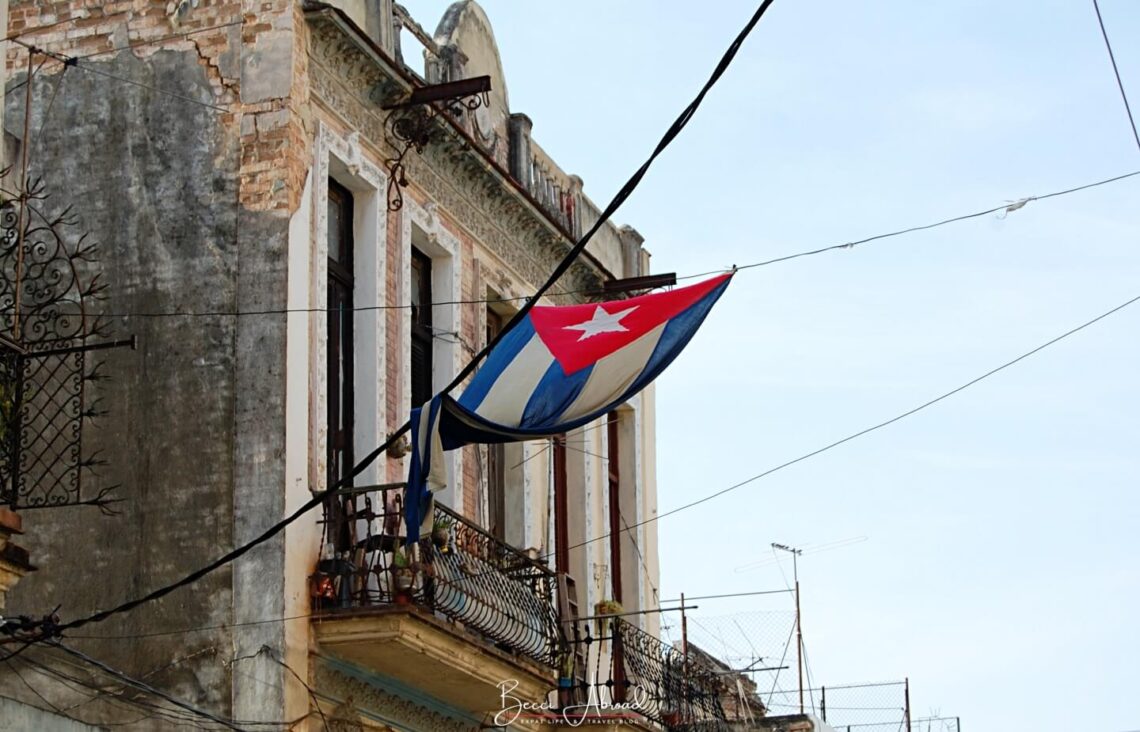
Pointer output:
554, 394
497, 361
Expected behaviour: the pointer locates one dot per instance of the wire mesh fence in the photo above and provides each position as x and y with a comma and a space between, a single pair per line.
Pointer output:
749, 652
935, 724
881, 707
754, 652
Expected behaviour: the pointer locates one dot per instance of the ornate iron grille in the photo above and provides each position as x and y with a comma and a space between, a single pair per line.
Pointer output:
47, 292
461, 572
652, 678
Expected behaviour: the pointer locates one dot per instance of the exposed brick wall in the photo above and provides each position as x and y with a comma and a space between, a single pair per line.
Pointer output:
230, 43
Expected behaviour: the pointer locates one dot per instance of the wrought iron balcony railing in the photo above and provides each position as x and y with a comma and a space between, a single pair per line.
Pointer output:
461, 573
650, 678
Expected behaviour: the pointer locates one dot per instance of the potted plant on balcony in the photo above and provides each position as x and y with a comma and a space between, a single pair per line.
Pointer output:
566, 670
403, 577
606, 607
441, 533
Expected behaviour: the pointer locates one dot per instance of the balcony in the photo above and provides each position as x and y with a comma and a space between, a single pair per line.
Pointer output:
455, 616
650, 680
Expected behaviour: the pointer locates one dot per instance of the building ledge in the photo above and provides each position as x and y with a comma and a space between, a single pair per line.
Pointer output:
432, 655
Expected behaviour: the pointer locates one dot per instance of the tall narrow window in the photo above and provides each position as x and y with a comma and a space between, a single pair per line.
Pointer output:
617, 525
616, 528
569, 604
496, 459
421, 328
339, 347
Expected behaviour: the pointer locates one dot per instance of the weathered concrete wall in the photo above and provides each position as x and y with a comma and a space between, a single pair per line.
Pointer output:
166, 244
18, 717
185, 210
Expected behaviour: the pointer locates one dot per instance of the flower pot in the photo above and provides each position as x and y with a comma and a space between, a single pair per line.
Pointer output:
403, 578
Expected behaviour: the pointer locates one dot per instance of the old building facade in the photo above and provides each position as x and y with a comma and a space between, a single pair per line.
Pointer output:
299, 272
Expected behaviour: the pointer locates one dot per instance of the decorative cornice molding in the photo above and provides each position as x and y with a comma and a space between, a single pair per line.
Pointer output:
345, 78
377, 703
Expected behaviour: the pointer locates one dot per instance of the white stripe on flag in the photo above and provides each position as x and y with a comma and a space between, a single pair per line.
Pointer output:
431, 450
613, 374
508, 396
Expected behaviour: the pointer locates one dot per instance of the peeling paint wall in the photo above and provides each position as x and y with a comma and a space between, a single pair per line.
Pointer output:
182, 157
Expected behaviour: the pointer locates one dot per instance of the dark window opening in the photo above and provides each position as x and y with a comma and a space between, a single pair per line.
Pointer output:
613, 460
616, 524
339, 384
421, 328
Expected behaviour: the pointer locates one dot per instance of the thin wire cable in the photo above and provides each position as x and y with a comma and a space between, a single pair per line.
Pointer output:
575, 251
51, 102
807, 672
174, 95
271, 654
779, 667
143, 686
640, 558
1116, 72
876, 427
1005, 207
91, 69
12, 667
98, 617
111, 695
20, 84
195, 629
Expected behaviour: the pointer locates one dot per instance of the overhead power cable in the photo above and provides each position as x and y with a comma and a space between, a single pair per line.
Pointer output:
741, 484
874, 428
626, 190
1004, 208
861, 433
1116, 72
94, 69
143, 686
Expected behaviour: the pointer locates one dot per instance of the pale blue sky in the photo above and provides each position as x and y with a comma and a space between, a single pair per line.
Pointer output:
1000, 573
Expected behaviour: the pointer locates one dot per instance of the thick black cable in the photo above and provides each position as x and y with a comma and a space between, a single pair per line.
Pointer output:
361, 466
629, 528
621, 196
1116, 71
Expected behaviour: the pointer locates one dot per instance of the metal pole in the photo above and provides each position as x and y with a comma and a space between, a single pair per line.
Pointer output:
799, 626
799, 631
684, 633
906, 697
22, 217
823, 702
684, 655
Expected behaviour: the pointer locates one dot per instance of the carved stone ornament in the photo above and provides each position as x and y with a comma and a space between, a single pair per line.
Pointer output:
458, 178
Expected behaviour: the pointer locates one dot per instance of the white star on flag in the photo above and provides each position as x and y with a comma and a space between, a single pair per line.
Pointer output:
601, 322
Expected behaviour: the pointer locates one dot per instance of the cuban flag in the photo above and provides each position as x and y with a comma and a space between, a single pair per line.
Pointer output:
555, 370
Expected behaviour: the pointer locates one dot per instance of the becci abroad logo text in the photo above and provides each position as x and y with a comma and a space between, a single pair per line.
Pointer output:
512, 709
